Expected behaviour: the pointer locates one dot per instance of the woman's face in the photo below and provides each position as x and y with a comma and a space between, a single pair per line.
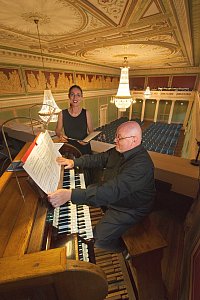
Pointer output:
75, 97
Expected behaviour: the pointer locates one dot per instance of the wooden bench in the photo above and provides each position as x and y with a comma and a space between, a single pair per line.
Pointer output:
145, 245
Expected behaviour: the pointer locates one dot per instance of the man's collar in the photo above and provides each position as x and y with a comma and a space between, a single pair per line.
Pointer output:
128, 153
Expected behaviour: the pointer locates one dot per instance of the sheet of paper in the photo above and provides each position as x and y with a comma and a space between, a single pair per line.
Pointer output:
41, 164
58, 145
98, 146
91, 136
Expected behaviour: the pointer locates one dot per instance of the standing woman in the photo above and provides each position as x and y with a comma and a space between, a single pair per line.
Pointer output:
76, 121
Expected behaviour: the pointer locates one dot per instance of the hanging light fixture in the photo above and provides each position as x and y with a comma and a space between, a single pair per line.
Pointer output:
49, 111
147, 93
123, 98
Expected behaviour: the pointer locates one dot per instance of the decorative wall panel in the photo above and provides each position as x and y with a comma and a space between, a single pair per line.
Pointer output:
25, 81
154, 82
110, 82
90, 81
10, 81
158, 82
136, 83
38, 80
80, 79
99, 81
185, 81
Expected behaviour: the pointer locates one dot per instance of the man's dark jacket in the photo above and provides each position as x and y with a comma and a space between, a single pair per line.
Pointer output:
128, 182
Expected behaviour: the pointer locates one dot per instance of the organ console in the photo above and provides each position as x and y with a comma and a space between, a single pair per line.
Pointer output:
41, 261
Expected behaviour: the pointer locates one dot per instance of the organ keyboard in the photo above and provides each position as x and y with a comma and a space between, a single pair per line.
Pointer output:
27, 272
70, 218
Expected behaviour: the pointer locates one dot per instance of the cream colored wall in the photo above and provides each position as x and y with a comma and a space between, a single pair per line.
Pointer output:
90, 103
192, 131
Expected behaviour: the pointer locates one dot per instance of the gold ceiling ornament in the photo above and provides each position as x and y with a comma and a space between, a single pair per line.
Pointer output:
49, 111
123, 99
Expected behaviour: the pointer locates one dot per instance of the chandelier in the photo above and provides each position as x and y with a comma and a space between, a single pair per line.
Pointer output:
123, 98
49, 111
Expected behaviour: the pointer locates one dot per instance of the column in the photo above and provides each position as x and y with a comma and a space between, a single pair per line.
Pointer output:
130, 111
171, 111
156, 111
143, 109
187, 114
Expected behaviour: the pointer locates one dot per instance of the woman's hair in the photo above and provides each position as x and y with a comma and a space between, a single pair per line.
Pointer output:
77, 87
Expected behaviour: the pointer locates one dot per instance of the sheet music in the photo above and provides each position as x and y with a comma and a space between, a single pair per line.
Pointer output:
58, 145
91, 136
99, 147
41, 163
88, 137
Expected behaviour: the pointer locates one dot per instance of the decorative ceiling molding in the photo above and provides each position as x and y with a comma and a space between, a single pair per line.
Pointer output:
35, 60
182, 18
97, 34
151, 10
194, 9
112, 9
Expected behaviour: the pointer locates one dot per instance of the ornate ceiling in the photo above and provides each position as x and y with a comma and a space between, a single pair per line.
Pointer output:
154, 35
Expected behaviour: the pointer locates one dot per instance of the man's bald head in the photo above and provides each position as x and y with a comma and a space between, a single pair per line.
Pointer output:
128, 136
133, 128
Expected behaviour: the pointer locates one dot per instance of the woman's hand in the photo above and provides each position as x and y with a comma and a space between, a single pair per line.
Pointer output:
68, 163
59, 197
63, 138
82, 143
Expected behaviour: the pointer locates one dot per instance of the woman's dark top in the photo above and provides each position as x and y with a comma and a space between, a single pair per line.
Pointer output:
76, 128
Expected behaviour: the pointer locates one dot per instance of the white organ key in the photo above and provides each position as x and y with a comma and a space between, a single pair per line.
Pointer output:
73, 218
72, 179
82, 180
56, 216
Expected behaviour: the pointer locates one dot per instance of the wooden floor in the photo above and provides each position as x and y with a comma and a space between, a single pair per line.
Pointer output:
119, 284
170, 220
172, 230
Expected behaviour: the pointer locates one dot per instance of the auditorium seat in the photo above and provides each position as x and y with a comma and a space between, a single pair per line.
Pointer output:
161, 137
108, 131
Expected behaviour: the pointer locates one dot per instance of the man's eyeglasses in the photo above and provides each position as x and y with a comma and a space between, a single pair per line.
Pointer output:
123, 138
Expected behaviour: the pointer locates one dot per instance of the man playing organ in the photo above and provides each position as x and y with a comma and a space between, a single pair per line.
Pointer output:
127, 189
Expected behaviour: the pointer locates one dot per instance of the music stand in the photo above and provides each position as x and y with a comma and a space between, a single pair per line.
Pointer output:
48, 116
8, 149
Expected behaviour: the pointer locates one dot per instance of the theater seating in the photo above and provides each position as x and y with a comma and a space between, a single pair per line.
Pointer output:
158, 137
161, 137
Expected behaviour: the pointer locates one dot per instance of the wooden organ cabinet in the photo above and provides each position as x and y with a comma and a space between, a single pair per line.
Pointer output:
27, 272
